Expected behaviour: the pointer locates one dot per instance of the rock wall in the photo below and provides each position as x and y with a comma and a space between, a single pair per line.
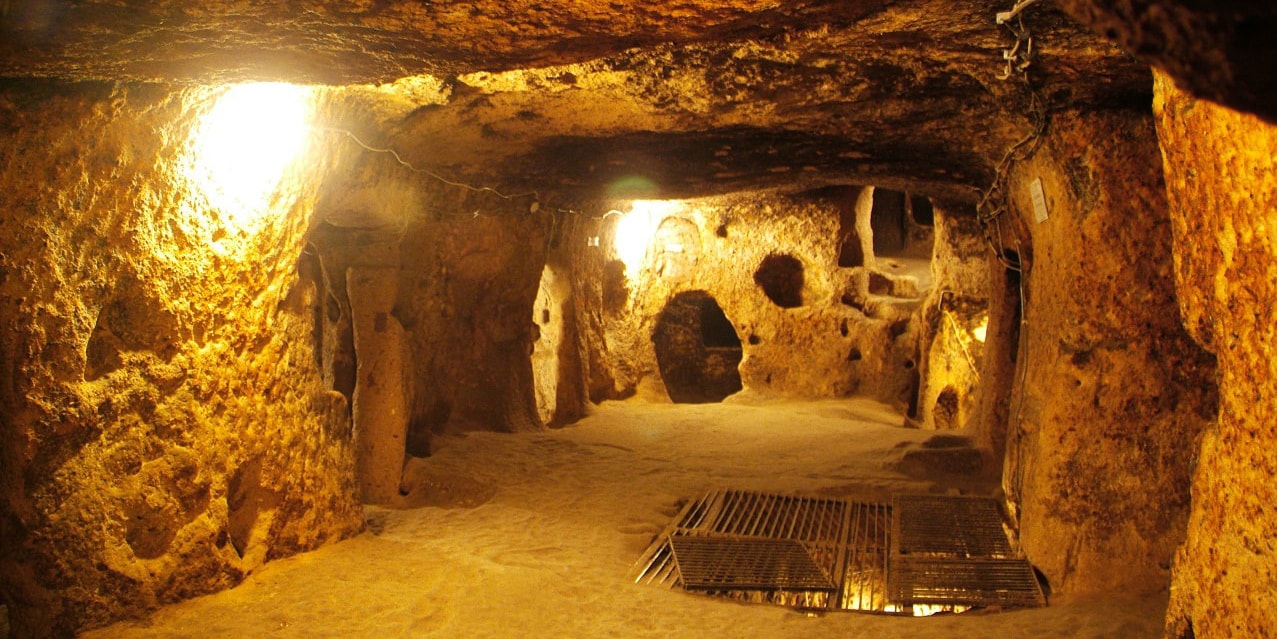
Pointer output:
806, 326
556, 356
467, 288
163, 423
1115, 393
467, 269
1219, 50
1221, 179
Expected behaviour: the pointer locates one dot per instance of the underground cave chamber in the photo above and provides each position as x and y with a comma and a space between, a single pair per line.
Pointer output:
214, 361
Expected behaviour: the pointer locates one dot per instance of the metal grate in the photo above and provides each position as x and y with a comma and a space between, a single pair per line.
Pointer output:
952, 526
954, 551
846, 542
983, 582
864, 577
946, 553
708, 563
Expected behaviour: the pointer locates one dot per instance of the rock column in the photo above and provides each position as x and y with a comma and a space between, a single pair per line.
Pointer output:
381, 405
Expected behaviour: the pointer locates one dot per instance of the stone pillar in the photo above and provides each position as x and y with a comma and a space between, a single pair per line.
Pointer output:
381, 406
949, 353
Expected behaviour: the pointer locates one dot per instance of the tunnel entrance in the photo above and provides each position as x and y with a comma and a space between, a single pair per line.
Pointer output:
697, 349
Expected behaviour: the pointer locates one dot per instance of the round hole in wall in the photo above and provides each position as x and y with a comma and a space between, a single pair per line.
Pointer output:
909, 364
755, 340
855, 355
781, 278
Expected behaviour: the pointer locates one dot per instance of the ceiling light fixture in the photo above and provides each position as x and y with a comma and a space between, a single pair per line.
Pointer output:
634, 232
243, 144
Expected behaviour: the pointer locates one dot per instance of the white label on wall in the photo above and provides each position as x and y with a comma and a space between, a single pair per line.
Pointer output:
1039, 200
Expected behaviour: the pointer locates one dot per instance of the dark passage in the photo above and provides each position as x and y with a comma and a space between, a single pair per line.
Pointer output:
697, 350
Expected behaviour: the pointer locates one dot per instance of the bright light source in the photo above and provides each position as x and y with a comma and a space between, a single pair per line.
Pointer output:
981, 330
634, 233
244, 143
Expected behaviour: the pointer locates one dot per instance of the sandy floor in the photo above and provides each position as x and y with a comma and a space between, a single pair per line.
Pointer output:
537, 531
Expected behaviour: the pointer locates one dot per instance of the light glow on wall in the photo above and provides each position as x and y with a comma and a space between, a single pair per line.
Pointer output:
633, 234
980, 332
244, 143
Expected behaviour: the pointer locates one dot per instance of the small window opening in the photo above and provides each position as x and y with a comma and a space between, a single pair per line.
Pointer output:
924, 213
887, 220
781, 278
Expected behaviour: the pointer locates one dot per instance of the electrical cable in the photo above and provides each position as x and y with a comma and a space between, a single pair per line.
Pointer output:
957, 335
1004, 16
1023, 364
994, 204
535, 195
431, 174
995, 201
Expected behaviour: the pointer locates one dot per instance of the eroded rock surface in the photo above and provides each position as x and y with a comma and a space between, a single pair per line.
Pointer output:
175, 406
1222, 188
1100, 448
165, 429
1218, 50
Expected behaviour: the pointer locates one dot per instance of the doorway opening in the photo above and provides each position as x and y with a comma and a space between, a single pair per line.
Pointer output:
697, 349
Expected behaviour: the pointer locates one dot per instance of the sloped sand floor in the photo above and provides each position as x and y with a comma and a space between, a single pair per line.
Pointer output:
547, 555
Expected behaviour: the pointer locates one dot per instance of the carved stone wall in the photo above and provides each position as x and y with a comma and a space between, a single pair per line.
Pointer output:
1221, 179
164, 425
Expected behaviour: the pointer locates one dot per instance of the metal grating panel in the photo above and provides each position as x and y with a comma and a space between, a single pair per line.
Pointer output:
974, 582
845, 541
712, 563
954, 551
950, 526
751, 514
864, 581
946, 553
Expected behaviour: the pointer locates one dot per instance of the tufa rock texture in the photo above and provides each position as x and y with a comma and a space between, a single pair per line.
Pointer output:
574, 97
165, 428
730, 290
1222, 188
1219, 50
177, 391
1115, 392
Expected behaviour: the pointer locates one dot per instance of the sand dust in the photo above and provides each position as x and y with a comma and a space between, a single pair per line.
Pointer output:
532, 535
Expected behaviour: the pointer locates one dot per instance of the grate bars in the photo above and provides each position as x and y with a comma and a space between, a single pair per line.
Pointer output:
954, 551
707, 563
811, 552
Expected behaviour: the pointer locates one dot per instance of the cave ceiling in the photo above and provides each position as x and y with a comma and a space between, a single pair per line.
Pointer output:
692, 97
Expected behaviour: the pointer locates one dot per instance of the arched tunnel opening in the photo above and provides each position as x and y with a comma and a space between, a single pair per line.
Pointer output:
697, 350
